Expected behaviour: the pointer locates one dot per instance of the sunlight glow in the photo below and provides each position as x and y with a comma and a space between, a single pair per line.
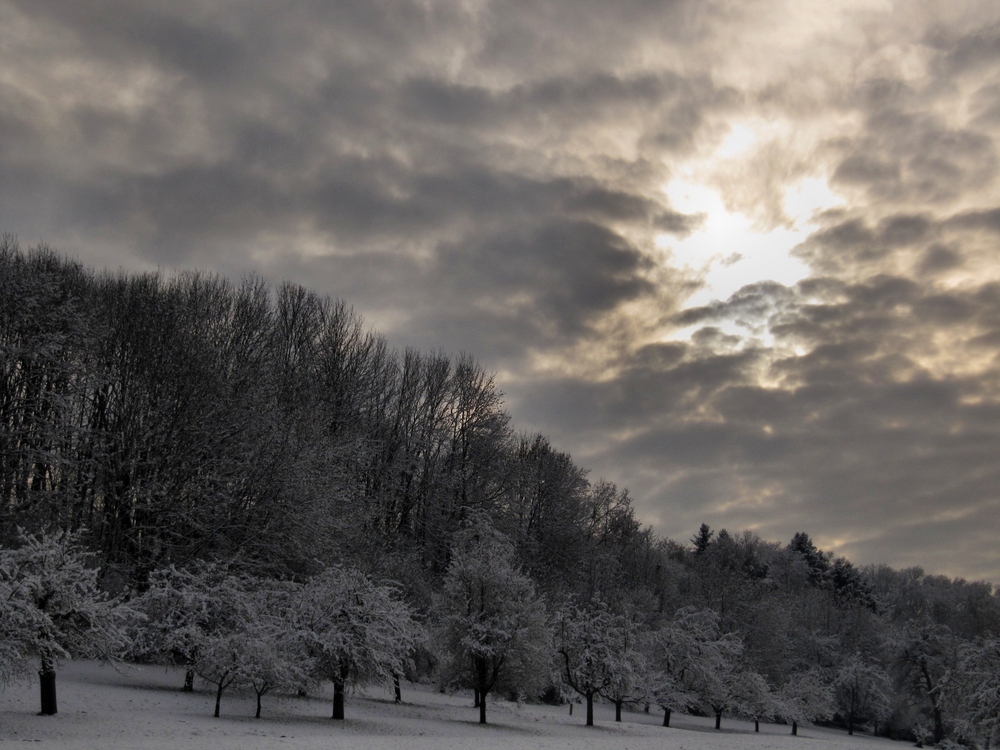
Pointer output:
728, 251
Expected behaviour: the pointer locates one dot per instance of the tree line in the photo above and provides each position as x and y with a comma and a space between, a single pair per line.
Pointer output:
257, 451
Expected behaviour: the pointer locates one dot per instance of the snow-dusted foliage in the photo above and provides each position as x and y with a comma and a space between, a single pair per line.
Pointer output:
492, 631
863, 692
597, 654
53, 608
259, 650
676, 651
926, 660
628, 667
352, 629
980, 669
271, 655
699, 666
185, 608
229, 629
806, 696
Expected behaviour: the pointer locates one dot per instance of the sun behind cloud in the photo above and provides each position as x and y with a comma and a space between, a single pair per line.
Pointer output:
731, 249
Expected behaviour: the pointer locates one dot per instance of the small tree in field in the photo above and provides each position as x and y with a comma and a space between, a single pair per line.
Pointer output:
260, 649
805, 697
187, 609
585, 642
630, 679
680, 652
701, 666
352, 629
218, 662
862, 692
492, 625
271, 656
754, 698
53, 608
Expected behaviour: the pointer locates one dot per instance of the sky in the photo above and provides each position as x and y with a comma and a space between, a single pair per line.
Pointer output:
738, 256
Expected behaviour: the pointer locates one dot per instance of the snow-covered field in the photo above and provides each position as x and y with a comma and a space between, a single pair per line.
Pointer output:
143, 708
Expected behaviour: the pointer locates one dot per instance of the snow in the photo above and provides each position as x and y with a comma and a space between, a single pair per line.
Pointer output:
144, 708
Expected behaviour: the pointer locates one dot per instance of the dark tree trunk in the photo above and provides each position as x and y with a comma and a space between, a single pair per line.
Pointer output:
218, 698
189, 681
756, 725
795, 729
476, 700
718, 719
666, 717
590, 709
618, 710
938, 726
47, 685
338, 699
571, 708
850, 724
257, 715
482, 707
395, 686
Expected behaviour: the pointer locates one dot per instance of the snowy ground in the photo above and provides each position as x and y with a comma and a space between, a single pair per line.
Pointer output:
143, 708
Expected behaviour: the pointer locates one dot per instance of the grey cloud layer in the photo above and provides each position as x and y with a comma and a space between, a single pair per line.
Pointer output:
488, 177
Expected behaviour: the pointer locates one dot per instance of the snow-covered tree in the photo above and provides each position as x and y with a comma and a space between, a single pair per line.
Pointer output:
630, 676
591, 650
676, 650
257, 648
218, 662
727, 685
53, 608
492, 625
862, 692
806, 696
698, 665
186, 608
979, 667
271, 656
753, 697
926, 660
353, 629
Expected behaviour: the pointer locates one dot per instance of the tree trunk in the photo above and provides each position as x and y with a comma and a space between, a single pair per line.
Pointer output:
475, 699
47, 685
482, 707
795, 729
618, 710
218, 698
850, 724
666, 717
396, 688
756, 725
938, 726
718, 719
571, 708
338, 699
257, 715
188, 681
590, 709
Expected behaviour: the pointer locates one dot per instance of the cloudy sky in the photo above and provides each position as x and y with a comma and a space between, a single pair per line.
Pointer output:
739, 256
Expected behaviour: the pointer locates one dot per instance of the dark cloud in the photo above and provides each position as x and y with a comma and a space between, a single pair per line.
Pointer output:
908, 153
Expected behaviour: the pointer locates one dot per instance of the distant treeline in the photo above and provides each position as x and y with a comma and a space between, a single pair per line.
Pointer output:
190, 419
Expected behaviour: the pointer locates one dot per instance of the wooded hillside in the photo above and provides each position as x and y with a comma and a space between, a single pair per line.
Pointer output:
189, 419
